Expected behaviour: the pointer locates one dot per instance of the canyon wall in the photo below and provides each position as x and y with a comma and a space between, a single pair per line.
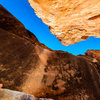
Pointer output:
28, 66
70, 21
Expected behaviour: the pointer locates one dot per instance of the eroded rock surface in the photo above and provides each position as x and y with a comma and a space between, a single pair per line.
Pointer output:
70, 21
28, 66
6, 94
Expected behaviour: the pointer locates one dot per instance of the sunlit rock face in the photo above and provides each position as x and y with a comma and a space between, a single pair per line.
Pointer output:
28, 66
70, 21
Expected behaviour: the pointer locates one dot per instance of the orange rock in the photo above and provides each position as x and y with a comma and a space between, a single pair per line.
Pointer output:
70, 21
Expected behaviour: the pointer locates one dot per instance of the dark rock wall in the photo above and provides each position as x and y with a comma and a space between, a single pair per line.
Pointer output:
28, 66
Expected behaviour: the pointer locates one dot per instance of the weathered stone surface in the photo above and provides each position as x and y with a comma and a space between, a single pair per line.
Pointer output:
6, 94
28, 66
70, 21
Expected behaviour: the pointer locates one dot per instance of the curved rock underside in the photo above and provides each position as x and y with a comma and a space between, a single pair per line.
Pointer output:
28, 66
70, 21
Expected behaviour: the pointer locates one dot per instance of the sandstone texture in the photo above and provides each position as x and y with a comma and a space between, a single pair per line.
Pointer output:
70, 21
6, 94
28, 66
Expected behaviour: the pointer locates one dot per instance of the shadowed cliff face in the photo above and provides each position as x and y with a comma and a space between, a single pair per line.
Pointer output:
28, 66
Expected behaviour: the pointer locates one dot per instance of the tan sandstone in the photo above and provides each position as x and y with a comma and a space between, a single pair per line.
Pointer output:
70, 21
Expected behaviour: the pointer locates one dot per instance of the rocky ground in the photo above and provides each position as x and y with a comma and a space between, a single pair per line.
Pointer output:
28, 66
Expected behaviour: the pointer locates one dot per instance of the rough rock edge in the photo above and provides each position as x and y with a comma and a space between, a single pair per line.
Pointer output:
70, 21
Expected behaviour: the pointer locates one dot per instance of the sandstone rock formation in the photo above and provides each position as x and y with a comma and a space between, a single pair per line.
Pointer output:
70, 21
28, 66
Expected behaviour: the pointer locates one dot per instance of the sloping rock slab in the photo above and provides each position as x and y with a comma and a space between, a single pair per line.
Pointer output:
28, 66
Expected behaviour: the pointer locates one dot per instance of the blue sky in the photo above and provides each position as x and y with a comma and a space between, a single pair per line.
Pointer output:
24, 13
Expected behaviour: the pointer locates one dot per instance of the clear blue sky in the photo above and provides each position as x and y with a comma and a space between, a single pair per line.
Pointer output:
23, 12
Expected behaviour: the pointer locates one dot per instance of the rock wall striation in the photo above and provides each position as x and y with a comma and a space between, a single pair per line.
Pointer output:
70, 21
